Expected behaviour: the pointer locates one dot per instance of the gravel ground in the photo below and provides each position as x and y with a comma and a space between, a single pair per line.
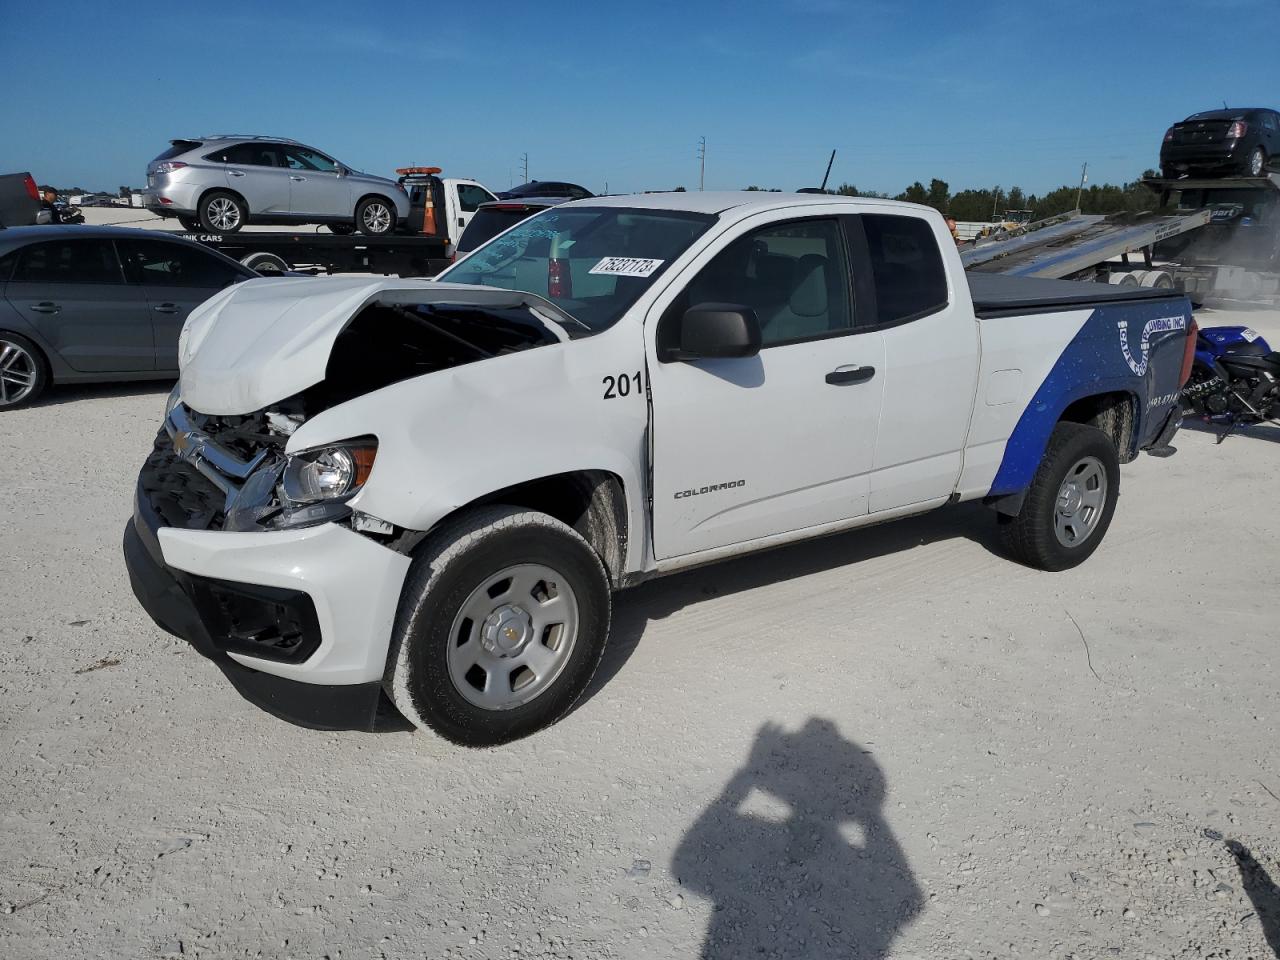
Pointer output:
892, 742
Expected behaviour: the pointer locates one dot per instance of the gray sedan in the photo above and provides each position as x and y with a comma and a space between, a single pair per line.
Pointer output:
81, 304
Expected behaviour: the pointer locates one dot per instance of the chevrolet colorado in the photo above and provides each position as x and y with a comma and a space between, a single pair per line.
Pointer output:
433, 488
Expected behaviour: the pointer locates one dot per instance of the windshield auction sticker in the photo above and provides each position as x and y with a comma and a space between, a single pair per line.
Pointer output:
626, 267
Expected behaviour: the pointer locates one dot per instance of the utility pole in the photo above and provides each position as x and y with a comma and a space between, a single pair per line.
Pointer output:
702, 162
1084, 178
524, 159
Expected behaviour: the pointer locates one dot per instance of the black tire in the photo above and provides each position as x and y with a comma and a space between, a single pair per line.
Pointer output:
1255, 165
24, 371
190, 224
342, 229
1032, 537
1169, 173
222, 212
447, 575
266, 264
375, 216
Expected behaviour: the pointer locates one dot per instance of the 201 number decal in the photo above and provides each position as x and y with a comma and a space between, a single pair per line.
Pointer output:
623, 385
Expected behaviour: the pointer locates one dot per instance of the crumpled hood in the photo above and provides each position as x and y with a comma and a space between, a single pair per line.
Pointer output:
263, 340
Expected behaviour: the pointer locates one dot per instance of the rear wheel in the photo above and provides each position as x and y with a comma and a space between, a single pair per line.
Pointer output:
375, 216
1256, 165
23, 371
222, 212
1069, 504
501, 625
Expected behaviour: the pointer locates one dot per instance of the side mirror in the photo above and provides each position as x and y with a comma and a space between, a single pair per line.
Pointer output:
713, 330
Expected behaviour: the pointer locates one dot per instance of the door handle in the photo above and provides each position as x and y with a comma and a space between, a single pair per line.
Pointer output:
843, 375
166, 308
235, 173
45, 307
297, 179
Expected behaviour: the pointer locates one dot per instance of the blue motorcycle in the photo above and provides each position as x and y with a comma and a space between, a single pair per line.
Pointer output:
1235, 379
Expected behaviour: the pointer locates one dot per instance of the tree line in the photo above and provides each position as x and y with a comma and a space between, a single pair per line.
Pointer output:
984, 204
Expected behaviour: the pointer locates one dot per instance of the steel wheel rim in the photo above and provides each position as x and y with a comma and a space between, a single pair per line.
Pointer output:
513, 636
223, 213
377, 218
1256, 163
18, 372
1080, 502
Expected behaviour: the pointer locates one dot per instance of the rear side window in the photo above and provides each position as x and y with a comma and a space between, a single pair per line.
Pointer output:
249, 155
470, 197
906, 267
155, 263
487, 224
178, 148
6, 265
68, 261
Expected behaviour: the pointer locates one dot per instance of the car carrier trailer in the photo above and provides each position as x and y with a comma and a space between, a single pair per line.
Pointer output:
407, 254
1210, 237
1081, 246
439, 210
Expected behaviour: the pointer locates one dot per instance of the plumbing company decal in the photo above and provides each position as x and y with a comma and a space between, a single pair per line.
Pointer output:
1159, 325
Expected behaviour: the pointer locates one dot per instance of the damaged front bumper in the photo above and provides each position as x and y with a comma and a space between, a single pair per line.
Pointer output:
299, 620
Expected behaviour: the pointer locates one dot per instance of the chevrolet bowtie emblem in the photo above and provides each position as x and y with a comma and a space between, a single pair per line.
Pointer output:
186, 444
510, 632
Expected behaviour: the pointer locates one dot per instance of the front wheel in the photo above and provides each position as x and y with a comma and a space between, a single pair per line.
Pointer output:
375, 216
1070, 502
501, 625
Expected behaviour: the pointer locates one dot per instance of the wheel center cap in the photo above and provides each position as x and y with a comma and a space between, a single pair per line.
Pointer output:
1070, 500
506, 631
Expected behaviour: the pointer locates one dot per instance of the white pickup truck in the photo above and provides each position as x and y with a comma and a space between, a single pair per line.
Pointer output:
432, 488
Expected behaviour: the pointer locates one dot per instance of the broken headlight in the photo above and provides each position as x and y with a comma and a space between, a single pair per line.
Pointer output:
327, 473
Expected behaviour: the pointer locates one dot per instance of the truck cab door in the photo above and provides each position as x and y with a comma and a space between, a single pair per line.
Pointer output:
753, 447
465, 199
930, 360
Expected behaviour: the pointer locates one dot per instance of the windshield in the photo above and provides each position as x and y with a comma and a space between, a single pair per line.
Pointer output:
593, 263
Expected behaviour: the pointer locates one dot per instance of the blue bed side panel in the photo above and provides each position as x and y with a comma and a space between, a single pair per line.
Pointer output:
1136, 348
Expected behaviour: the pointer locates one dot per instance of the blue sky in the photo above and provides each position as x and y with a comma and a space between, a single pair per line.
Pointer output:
977, 93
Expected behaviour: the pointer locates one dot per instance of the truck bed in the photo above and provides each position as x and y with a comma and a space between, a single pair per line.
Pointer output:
996, 295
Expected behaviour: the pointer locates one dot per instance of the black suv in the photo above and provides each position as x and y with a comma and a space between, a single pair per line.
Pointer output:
1238, 141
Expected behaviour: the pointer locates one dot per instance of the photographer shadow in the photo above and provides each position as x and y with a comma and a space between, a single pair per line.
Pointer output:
796, 855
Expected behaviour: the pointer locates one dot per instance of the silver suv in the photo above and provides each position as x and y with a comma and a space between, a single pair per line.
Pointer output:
220, 183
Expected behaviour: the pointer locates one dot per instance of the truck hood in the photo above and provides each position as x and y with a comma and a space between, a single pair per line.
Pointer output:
263, 340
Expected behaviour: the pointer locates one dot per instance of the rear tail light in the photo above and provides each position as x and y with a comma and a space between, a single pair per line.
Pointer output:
30, 184
1168, 135
1189, 353
168, 166
1237, 130
559, 279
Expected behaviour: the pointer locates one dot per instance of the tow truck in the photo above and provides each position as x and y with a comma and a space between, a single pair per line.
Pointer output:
439, 210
